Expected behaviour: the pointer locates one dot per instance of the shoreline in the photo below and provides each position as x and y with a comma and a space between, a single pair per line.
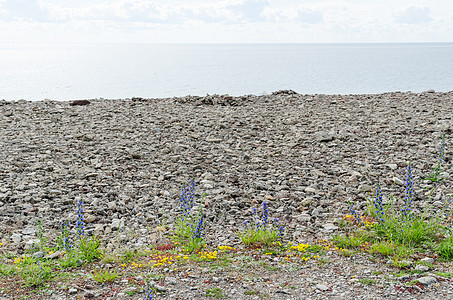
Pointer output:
428, 91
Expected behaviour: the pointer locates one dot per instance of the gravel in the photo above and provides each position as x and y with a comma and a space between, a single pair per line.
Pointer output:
306, 155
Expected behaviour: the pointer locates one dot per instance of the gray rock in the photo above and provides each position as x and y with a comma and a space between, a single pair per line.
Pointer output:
16, 238
422, 268
160, 288
428, 260
31, 243
116, 224
398, 181
29, 231
90, 219
392, 166
39, 254
427, 280
170, 280
72, 291
54, 255
330, 227
310, 190
322, 287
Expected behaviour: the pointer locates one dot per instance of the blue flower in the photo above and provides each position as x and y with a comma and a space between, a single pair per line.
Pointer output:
148, 293
378, 205
80, 224
197, 233
265, 213
409, 191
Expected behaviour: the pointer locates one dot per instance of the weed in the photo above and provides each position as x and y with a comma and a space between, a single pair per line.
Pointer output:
35, 274
89, 248
214, 292
444, 274
324, 261
366, 281
102, 275
350, 240
251, 292
71, 259
7, 270
261, 231
347, 253
385, 248
445, 249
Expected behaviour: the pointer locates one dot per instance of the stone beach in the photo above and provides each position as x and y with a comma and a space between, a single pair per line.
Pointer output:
307, 156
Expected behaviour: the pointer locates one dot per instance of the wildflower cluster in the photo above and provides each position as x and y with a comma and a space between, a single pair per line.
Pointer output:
190, 224
226, 248
261, 231
355, 215
208, 255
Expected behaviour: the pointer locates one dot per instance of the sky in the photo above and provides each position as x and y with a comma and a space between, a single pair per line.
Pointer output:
228, 21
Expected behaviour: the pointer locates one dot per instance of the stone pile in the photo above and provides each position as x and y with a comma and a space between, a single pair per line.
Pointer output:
306, 155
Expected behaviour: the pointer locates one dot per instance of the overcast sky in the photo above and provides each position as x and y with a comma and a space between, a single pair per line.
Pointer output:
229, 21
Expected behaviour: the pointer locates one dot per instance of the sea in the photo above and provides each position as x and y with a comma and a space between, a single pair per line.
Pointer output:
113, 71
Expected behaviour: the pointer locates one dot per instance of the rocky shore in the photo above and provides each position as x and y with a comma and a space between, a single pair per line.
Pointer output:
306, 155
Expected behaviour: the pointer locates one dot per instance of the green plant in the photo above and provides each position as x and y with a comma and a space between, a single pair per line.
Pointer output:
445, 249
189, 225
128, 255
71, 259
366, 281
104, 275
63, 240
346, 252
351, 240
324, 261
214, 292
384, 248
7, 270
444, 274
89, 248
35, 274
250, 292
411, 230
261, 231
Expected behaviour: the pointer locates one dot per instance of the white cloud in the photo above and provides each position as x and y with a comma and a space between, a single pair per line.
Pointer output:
227, 20
27, 10
413, 15
310, 16
250, 10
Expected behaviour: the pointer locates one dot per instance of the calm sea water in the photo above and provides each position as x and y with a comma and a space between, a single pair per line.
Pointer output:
80, 71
